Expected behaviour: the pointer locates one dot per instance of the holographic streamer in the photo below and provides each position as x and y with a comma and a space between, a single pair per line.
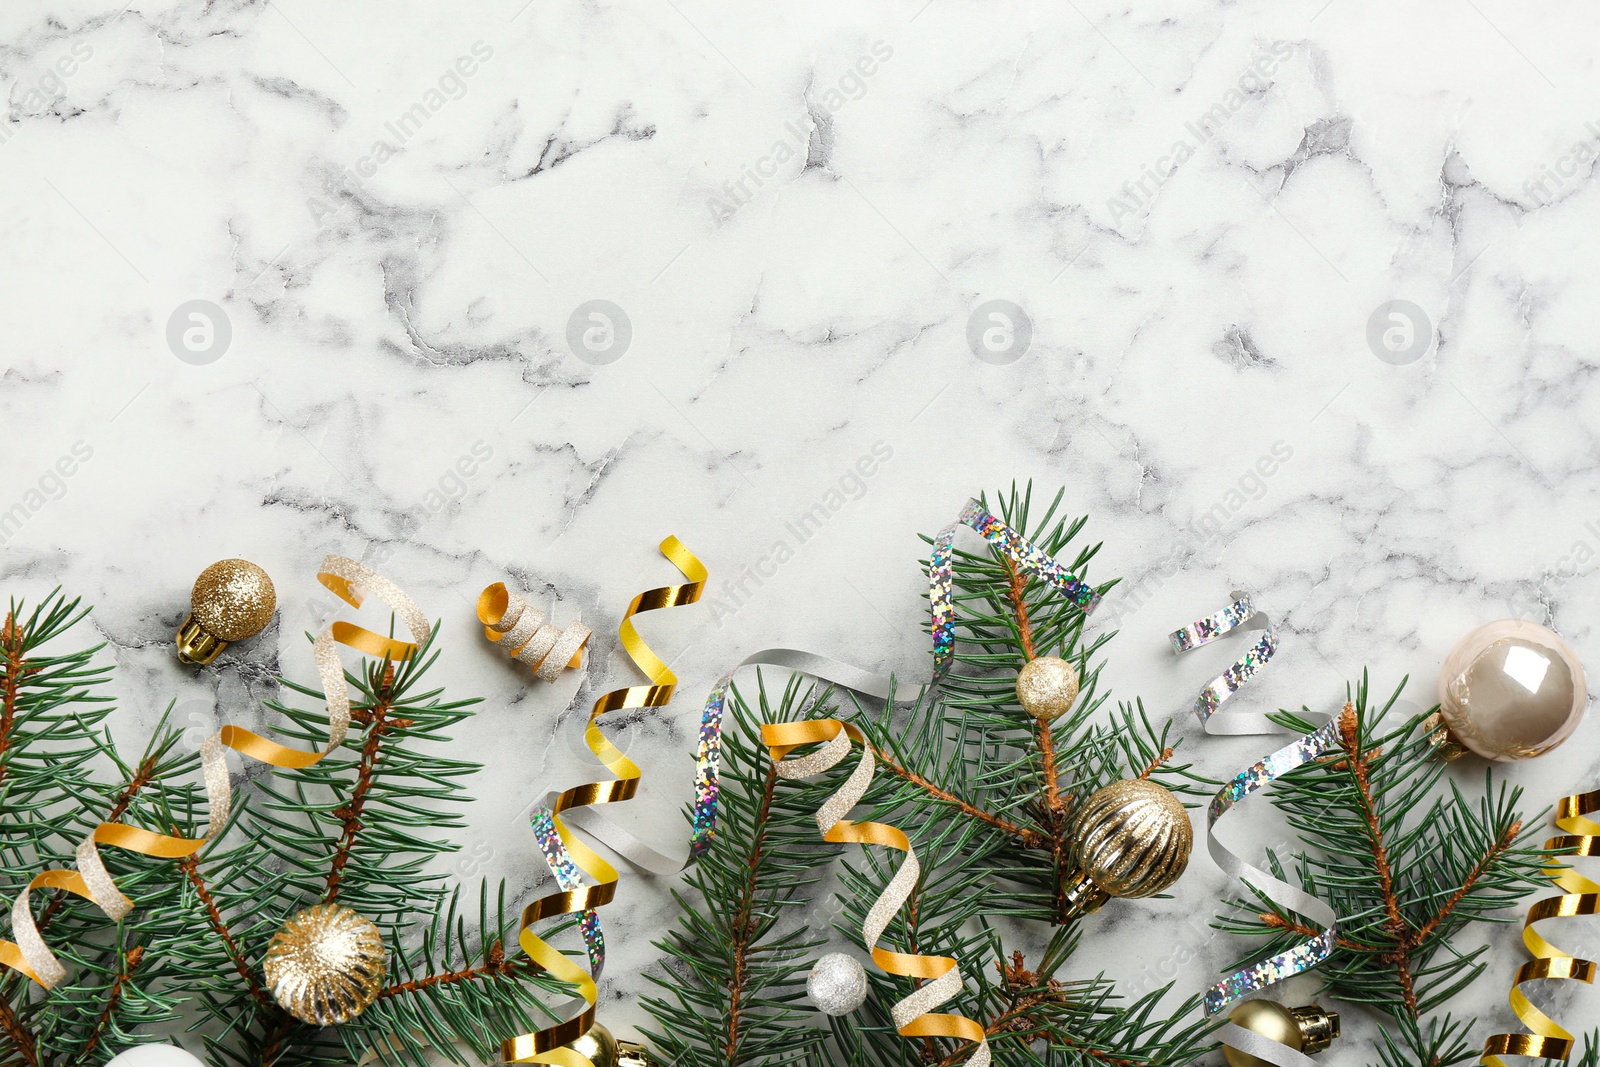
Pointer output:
708, 755
1547, 1039
941, 578
1017, 548
1238, 617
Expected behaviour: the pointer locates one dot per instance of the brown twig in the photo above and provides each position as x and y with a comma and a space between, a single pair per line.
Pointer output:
1157, 763
744, 925
1029, 838
1360, 769
377, 719
1278, 922
130, 961
191, 868
1016, 978
18, 1033
1503, 845
1054, 804
496, 964
10, 686
143, 776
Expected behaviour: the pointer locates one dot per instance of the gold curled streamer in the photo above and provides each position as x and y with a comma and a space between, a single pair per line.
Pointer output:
522, 630
545, 1046
1546, 1037
347, 579
913, 1015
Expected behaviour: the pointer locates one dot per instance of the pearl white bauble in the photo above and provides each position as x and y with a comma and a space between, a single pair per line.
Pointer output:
155, 1055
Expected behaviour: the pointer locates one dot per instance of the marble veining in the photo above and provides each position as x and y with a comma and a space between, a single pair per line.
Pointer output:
511, 290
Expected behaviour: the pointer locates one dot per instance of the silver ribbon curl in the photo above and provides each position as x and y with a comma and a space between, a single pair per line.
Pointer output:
1238, 617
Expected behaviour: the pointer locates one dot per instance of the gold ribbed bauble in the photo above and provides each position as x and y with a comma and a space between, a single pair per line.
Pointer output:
326, 965
1309, 1029
1130, 839
232, 599
1047, 686
604, 1050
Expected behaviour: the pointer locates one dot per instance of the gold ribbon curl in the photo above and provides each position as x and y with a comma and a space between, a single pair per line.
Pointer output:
347, 579
913, 1016
1547, 1038
546, 1046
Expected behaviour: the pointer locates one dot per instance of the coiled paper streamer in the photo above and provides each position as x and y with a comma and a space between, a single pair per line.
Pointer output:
569, 857
522, 630
348, 580
913, 1016
1546, 1038
703, 817
1247, 782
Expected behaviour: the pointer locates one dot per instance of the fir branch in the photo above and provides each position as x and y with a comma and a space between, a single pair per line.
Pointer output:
20, 1036
190, 866
130, 961
375, 719
1407, 860
734, 966
1028, 837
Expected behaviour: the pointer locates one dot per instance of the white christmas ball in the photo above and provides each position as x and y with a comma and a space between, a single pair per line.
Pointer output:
155, 1055
837, 985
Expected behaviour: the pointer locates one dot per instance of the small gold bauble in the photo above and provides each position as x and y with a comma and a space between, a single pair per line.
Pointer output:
326, 965
1132, 838
1047, 686
597, 1045
232, 599
630, 1054
1309, 1029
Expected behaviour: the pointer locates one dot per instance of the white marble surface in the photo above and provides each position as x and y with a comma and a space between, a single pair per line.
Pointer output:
798, 247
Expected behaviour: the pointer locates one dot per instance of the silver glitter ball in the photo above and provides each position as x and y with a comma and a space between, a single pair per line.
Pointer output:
837, 985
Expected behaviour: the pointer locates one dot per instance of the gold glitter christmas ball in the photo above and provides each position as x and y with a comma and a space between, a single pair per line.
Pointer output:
1047, 686
598, 1045
232, 599
1132, 838
326, 965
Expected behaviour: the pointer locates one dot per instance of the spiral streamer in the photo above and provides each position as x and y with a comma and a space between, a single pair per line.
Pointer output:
348, 580
570, 858
526, 635
1546, 1038
1242, 616
941, 575
913, 1016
